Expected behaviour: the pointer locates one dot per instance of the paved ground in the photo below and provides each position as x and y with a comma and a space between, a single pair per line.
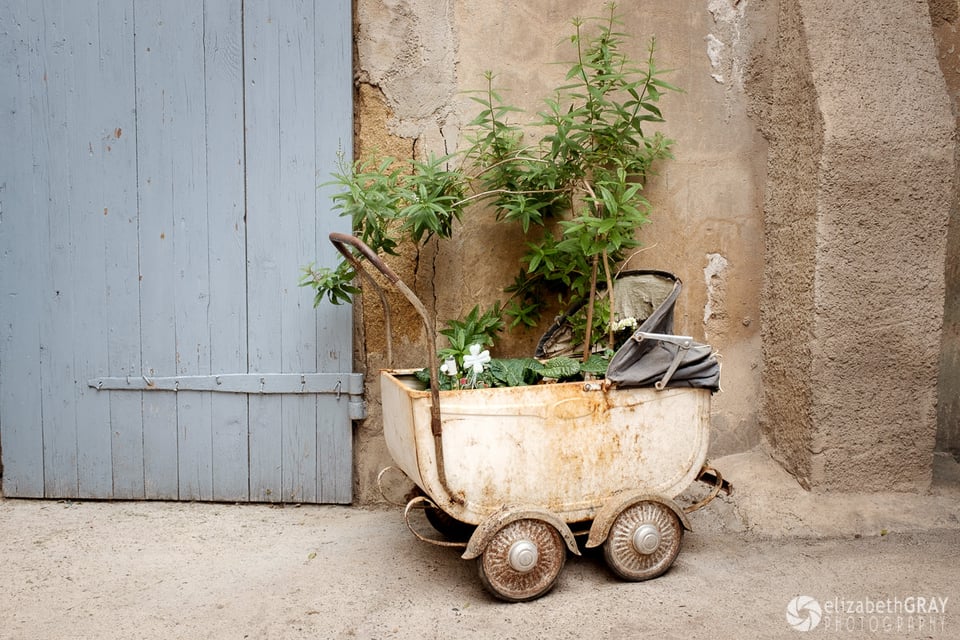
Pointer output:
164, 570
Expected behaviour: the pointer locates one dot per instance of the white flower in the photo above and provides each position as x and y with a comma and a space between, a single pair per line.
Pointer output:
476, 359
626, 323
449, 367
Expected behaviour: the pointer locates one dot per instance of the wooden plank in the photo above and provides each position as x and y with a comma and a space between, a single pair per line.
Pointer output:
160, 96
121, 253
22, 222
91, 122
333, 93
183, 25
264, 464
58, 291
126, 448
334, 324
298, 226
223, 65
334, 451
194, 446
264, 279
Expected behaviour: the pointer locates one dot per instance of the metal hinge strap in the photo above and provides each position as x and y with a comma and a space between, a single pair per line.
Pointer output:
350, 384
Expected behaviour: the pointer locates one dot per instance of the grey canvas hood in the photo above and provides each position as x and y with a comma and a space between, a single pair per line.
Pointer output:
652, 356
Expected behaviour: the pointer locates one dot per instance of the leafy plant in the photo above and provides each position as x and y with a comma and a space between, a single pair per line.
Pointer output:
475, 328
586, 177
519, 372
516, 372
334, 284
576, 195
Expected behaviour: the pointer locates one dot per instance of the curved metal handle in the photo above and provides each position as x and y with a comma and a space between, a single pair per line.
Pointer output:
340, 241
383, 493
709, 475
423, 502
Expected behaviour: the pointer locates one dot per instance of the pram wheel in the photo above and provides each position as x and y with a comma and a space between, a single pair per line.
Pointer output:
643, 542
523, 560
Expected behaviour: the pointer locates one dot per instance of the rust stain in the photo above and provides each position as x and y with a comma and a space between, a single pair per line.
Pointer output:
491, 495
163, 236
117, 133
104, 211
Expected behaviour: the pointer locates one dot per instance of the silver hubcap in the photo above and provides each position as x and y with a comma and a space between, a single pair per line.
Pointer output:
523, 556
646, 539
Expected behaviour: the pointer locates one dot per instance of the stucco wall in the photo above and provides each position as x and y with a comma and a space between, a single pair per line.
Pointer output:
767, 135
874, 185
794, 127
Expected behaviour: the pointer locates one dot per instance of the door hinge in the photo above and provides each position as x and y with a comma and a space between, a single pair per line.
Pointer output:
341, 385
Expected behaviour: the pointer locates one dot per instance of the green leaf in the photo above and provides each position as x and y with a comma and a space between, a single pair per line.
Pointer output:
596, 365
560, 368
509, 373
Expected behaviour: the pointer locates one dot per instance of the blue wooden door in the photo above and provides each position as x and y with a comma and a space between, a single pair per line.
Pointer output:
158, 197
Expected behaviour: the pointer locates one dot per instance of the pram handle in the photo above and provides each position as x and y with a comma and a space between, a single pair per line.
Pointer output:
340, 241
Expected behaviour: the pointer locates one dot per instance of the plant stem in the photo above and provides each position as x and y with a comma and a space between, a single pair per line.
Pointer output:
517, 156
606, 272
492, 192
593, 297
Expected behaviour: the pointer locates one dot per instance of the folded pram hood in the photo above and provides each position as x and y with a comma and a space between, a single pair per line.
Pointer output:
652, 356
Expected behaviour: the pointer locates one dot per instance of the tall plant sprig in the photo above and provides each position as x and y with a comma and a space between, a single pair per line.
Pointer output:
389, 201
576, 195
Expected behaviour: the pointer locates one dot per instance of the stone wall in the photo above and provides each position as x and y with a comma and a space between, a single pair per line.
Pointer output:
812, 256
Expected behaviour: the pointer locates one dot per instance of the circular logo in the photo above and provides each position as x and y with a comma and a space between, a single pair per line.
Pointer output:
804, 613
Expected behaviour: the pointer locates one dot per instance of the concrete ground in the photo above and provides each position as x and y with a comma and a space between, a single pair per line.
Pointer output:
90, 570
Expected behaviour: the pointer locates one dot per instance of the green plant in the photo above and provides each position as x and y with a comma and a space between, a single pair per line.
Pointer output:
519, 372
576, 195
475, 328
586, 176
